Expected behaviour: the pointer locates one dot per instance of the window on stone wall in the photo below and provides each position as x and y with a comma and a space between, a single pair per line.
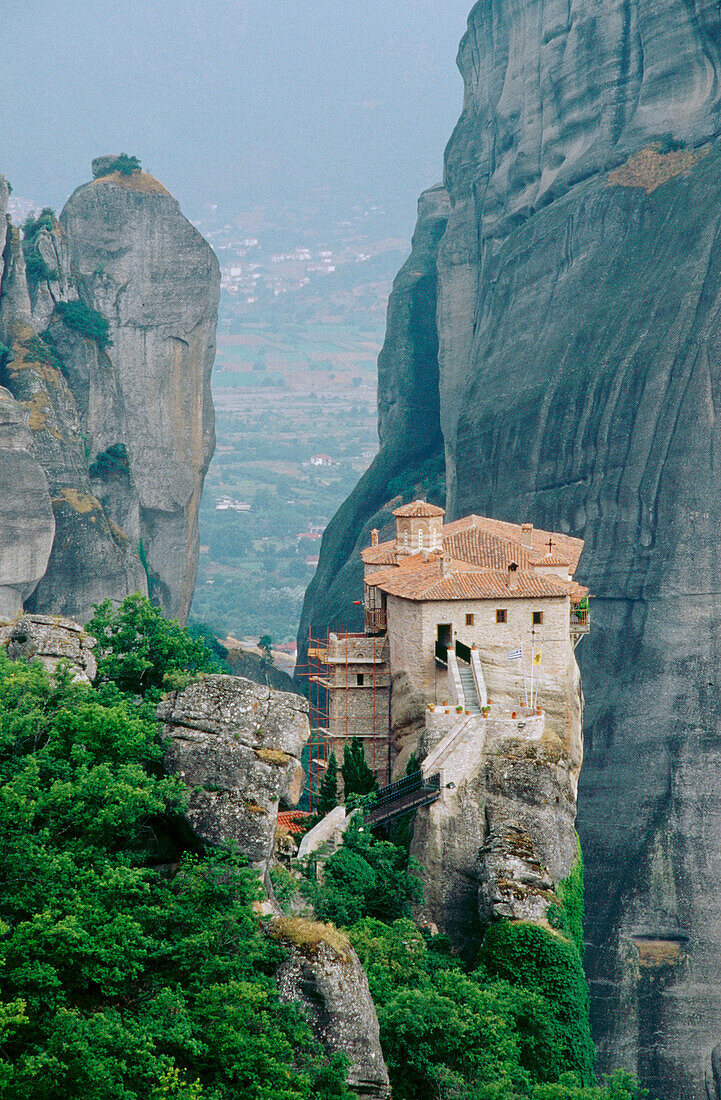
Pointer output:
360, 678
501, 615
470, 619
537, 618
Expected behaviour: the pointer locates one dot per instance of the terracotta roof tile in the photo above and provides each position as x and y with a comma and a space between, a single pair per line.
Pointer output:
293, 820
552, 559
491, 544
419, 508
461, 581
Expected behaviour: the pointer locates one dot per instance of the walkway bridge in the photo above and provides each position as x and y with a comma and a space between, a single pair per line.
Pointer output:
403, 796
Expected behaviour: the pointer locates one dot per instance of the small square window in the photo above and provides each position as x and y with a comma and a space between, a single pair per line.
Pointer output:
501, 615
537, 618
360, 678
470, 619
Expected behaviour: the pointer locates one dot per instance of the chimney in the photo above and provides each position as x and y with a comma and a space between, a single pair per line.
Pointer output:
374, 537
513, 575
527, 536
445, 565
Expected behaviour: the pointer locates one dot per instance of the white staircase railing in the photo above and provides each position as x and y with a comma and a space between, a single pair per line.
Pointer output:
478, 678
436, 758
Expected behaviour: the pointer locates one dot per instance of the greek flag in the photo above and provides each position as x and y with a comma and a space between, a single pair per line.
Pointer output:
516, 654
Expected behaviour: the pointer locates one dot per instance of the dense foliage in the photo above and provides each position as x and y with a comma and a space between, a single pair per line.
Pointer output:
120, 979
366, 877
328, 797
142, 652
88, 322
124, 164
36, 269
357, 776
112, 461
474, 1035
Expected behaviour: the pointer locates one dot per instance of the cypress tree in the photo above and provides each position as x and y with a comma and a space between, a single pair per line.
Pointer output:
328, 792
357, 776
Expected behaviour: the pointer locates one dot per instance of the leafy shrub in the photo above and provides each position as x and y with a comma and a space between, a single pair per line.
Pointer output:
454, 1034
124, 164
138, 649
366, 877
669, 144
36, 269
88, 322
535, 959
118, 981
568, 915
113, 460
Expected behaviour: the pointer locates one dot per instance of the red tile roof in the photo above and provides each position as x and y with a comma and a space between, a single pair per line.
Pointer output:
293, 820
419, 508
552, 559
490, 544
460, 581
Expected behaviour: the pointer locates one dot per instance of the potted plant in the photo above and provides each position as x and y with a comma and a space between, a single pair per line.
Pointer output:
459, 708
485, 710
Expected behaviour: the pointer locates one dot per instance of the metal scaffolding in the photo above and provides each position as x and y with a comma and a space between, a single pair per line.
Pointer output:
333, 722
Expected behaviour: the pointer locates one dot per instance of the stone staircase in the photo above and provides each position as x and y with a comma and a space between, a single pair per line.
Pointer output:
470, 695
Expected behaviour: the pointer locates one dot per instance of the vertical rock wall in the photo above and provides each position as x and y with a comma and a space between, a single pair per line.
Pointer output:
579, 297
121, 424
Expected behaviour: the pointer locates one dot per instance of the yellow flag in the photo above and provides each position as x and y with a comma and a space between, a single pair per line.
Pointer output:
537, 658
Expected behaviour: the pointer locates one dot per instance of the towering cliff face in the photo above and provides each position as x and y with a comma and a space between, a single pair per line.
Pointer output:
578, 332
142, 265
109, 341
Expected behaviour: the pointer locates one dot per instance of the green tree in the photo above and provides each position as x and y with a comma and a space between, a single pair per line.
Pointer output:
124, 164
328, 793
532, 957
366, 877
357, 776
144, 653
120, 982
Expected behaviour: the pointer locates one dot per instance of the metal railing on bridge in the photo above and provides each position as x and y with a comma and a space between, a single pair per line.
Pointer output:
403, 796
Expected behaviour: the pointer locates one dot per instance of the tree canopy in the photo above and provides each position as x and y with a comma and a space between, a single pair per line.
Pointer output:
144, 653
130, 969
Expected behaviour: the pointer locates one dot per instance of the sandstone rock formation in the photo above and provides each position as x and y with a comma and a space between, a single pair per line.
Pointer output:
51, 639
237, 746
502, 835
108, 343
27, 526
578, 328
325, 976
142, 265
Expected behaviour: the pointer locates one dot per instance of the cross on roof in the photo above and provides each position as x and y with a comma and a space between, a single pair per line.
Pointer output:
551, 544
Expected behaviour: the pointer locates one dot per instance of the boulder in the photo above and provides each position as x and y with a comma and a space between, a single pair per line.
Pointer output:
324, 975
51, 639
237, 746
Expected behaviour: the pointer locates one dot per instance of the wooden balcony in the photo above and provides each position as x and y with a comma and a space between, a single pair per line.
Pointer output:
580, 623
375, 619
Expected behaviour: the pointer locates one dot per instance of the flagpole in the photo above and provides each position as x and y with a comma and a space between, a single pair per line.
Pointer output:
523, 669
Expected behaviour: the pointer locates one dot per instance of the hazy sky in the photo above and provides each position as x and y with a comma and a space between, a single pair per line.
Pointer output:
232, 100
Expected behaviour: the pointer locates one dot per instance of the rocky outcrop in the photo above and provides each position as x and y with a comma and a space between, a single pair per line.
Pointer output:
324, 975
501, 837
140, 263
237, 746
108, 342
27, 526
578, 325
51, 639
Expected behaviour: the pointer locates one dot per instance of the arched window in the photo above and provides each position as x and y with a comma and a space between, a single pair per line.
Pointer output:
420, 538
